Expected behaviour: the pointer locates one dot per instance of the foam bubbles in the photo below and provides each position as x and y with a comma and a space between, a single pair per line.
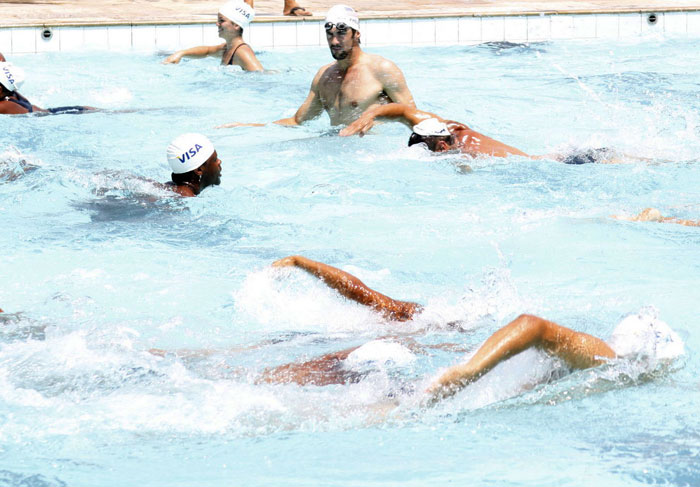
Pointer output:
283, 299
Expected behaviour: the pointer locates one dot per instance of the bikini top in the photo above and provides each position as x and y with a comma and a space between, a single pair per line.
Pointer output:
21, 101
233, 54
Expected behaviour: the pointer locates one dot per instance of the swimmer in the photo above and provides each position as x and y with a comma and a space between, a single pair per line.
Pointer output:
291, 8
353, 83
440, 135
578, 350
654, 215
13, 103
233, 17
194, 163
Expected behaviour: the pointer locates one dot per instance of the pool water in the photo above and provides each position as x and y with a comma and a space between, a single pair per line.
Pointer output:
100, 265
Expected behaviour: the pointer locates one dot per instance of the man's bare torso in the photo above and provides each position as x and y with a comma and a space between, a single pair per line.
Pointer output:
346, 94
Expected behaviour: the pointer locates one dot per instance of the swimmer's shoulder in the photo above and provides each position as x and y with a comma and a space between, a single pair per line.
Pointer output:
324, 72
379, 64
180, 189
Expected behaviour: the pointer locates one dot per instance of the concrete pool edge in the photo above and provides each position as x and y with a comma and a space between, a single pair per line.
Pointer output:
421, 29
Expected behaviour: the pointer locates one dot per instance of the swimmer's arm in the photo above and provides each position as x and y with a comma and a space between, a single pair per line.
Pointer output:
247, 60
312, 106
352, 288
401, 112
578, 350
394, 83
199, 51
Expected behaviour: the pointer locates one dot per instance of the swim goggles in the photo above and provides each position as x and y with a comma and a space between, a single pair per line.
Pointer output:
340, 27
415, 139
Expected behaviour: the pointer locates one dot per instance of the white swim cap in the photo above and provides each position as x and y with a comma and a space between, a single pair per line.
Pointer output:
238, 12
380, 353
188, 152
11, 76
646, 335
431, 127
342, 14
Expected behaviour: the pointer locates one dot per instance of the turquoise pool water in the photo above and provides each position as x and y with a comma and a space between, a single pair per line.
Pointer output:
99, 266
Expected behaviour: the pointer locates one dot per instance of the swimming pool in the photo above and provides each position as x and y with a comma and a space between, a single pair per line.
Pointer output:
103, 268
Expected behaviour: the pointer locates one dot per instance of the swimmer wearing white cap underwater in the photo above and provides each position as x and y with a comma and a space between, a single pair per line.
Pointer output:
194, 163
353, 83
436, 133
640, 335
233, 17
13, 103
441, 135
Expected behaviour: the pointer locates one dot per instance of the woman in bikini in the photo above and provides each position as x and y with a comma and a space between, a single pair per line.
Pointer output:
13, 103
232, 19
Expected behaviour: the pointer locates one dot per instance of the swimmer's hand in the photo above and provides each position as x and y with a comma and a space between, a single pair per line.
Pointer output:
239, 124
647, 215
173, 58
360, 126
436, 393
290, 261
450, 382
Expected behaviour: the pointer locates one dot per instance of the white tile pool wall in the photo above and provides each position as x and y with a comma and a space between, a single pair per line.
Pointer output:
375, 32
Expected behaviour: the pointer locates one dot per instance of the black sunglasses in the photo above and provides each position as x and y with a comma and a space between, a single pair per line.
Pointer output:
340, 27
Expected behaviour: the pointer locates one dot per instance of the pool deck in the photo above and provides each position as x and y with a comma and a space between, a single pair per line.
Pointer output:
21, 13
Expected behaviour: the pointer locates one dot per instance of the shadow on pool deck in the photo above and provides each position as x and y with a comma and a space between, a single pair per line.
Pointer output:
15, 13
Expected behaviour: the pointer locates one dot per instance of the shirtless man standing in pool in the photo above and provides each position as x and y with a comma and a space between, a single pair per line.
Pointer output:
353, 83
233, 17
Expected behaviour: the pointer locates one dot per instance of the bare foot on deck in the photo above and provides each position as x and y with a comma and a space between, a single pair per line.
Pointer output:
293, 9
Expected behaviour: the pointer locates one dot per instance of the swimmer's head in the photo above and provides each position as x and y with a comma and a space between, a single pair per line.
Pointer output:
238, 12
188, 152
11, 77
643, 334
342, 17
342, 31
433, 133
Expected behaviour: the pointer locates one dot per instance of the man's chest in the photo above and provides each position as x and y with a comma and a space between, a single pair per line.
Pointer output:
352, 90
